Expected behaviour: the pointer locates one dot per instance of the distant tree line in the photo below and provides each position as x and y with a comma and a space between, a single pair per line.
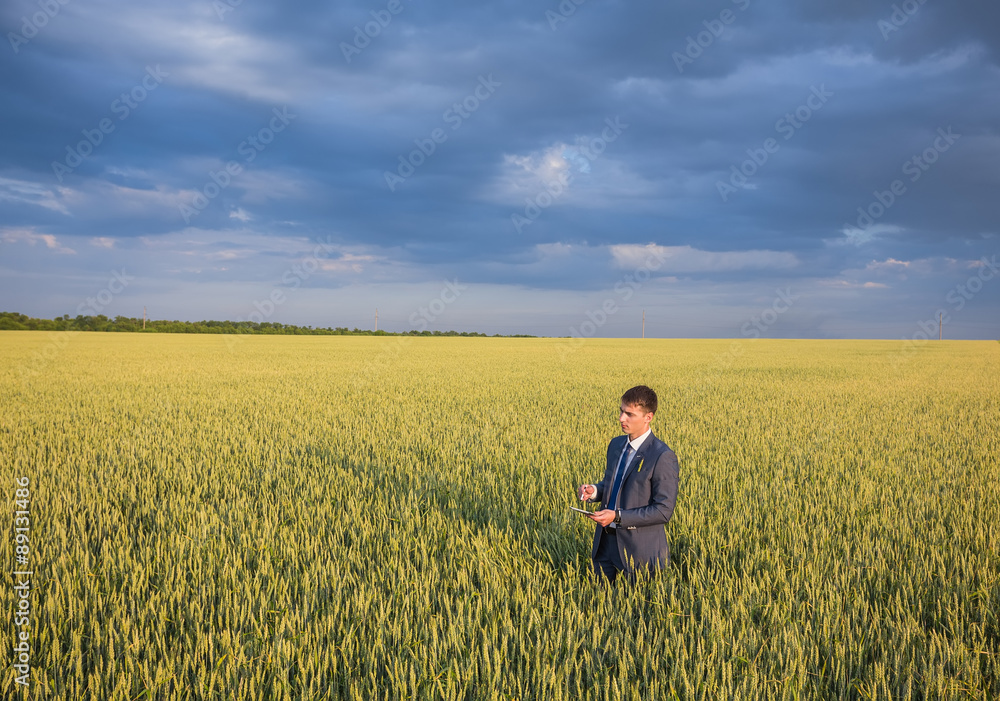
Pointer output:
12, 321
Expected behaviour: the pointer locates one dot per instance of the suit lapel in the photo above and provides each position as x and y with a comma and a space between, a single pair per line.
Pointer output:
614, 459
636, 464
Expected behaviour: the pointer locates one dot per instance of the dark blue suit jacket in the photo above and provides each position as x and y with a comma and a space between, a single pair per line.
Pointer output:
648, 496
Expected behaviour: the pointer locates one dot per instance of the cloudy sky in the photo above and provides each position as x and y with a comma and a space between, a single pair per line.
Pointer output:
735, 168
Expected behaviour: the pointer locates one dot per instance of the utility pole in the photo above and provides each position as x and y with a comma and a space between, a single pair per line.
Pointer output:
143, 318
376, 318
644, 324
940, 324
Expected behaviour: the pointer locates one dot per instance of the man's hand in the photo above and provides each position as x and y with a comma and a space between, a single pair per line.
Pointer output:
604, 517
586, 492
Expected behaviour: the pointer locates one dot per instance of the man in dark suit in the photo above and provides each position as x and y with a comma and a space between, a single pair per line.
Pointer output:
638, 493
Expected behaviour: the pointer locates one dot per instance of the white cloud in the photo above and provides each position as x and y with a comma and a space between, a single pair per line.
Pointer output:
903, 269
95, 198
252, 255
347, 262
31, 237
854, 236
889, 265
687, 259
851, 285
12, 190
579, 172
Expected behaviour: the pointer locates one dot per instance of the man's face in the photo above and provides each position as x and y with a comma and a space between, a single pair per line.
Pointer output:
634, 420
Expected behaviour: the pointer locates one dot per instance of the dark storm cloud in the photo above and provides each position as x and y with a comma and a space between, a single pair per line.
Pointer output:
425, 139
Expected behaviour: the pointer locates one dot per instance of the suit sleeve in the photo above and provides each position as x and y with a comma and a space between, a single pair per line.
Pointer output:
663, 497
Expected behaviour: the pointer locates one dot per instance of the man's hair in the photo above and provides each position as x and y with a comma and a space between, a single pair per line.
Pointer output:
641, 396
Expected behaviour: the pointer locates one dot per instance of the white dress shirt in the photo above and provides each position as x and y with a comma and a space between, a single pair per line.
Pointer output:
635, 443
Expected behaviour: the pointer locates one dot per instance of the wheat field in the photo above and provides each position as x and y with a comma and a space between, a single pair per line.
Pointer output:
387, 518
